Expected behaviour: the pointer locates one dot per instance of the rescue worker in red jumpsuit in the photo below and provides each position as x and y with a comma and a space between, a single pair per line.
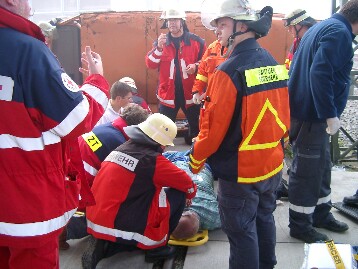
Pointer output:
44, 111
140, 195
244, 118
176, 55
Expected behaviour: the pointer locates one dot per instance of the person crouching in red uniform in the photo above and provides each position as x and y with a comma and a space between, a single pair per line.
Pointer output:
140, 195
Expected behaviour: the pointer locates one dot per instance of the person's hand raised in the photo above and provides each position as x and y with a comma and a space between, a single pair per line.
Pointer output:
91, 62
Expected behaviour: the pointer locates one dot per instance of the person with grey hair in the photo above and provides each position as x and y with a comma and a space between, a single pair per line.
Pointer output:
49, 32
318, 90
297, 23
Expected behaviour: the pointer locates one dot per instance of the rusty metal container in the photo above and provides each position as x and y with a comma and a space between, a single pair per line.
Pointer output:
124, 38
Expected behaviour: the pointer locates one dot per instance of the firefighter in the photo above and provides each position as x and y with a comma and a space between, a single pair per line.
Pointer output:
244, 118
176, 55
297, 22
211, 59
133, 209
319, 87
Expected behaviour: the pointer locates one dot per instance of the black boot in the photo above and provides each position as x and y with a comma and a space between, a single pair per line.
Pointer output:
160, 253
95, 251
351, 200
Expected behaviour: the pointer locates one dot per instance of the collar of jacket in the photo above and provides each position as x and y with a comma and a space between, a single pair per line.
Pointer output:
11, 20
119, 124
247, 44
342, 19
186, 38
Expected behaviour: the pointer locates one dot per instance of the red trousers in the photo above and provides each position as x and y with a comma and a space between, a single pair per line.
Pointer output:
44, 257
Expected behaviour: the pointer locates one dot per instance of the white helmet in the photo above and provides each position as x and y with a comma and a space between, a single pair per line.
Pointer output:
173, 13
208, 11
238, 10
130, 82
46, 28
159, 128
295, 17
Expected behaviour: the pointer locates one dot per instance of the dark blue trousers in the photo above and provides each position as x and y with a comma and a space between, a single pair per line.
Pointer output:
246, 212
310, 176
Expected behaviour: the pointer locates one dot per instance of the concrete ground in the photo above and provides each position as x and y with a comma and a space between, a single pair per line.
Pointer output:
215, 253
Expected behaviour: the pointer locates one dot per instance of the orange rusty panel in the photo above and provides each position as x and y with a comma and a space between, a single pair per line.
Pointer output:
124, 38
278, 41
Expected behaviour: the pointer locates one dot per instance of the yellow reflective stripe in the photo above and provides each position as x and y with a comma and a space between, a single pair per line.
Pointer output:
92, 141
202, 78
194, 160
335, 254
194, 166
267, 106
267, 74
260, 178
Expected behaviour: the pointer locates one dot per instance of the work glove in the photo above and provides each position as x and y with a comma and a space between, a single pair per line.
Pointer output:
333, 125
196, 98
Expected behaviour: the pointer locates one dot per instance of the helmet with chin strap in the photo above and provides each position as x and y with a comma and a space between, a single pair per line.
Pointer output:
173, 13
240, 10
300, 18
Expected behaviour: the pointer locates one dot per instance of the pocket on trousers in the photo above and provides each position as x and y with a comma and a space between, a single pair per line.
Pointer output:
307, 163
231, 213
72, 191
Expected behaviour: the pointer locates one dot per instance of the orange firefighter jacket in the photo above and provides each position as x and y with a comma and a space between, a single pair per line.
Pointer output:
211, 59
244, 118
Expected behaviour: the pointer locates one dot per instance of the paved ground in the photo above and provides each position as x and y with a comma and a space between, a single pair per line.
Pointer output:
214, 254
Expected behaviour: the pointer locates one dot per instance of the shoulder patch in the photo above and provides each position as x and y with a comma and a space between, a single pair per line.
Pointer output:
69, 83
6, 88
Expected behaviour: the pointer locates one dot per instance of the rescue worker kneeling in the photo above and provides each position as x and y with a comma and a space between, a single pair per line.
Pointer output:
140, 195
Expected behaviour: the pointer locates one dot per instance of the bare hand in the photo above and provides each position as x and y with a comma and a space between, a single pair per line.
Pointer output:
190, 69
93, 62
188, 202
161, 40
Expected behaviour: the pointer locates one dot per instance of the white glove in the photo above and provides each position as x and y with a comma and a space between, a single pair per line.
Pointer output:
196, 98
333, 125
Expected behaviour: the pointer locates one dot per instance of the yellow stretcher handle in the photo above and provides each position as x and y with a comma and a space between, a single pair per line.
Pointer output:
200, 238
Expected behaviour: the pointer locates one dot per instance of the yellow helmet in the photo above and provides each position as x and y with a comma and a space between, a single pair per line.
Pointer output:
159, 128
295, 17
173, 13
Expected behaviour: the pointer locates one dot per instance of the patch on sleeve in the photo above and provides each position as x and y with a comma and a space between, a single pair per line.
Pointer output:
6, 88
92, 141
69, 83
